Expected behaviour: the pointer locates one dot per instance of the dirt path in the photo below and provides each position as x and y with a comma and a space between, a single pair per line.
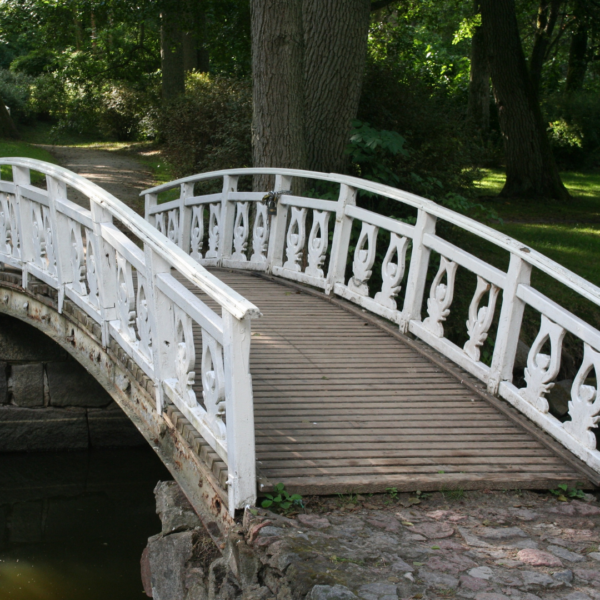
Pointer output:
122, 176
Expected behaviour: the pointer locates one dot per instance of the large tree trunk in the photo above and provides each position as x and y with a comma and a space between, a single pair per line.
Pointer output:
546, 20
335, 50
7, 126
578, 52
278, 99
171, 54
478, 107
530, 167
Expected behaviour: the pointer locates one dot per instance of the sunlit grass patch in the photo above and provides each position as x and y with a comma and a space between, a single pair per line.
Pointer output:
24, 150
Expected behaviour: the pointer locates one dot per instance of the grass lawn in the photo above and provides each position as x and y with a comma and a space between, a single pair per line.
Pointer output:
568, 233
10, 149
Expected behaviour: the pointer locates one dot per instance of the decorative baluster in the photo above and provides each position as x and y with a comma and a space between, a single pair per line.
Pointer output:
159, 222
584, 406
37, 230
125, 298
143, 319
318, 241
541, 368
480, 319
364, 257
173, 225
240, 232
440, 297
260, 234
213, 384
295, 239
185, 358
214, 228
92, 271
77, 260
4, 226
392, 272
197, 232
15, 240
49, 243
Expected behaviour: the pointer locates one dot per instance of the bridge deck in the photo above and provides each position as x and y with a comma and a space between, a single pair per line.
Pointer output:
341, 405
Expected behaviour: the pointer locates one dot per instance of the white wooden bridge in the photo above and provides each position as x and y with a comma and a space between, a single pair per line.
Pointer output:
269, 350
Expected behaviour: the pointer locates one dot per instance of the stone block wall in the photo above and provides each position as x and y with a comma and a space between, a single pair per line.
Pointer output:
48, 401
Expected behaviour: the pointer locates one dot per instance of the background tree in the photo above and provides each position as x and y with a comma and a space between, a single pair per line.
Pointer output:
530, 167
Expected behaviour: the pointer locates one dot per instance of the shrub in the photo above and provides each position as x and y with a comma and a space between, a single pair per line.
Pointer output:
574, 129
439, 148
126, 113
15, 92
209, 127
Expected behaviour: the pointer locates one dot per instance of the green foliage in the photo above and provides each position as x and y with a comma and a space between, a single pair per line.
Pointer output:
209, 128
281, 501
574, 129
369, 150
15, 93
392, 492
10, 148
564, 492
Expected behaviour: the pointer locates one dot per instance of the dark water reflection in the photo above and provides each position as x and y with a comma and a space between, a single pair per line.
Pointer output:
73, 525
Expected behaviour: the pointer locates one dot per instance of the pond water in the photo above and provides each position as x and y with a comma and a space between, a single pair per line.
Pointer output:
73, 525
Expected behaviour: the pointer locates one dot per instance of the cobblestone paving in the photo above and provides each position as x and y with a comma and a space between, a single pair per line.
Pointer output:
486, 546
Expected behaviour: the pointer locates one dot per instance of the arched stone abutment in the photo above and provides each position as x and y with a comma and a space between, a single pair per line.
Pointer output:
80, 338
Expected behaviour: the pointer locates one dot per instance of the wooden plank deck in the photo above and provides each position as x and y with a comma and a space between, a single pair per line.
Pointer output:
341, 405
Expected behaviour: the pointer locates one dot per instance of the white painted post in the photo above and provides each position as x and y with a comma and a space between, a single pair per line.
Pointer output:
62, 236
230, 184
185, 217
241, 455
278, 226
106, 271
341, 238
417, 274
162, 324
509, 324
22, 176
151, 200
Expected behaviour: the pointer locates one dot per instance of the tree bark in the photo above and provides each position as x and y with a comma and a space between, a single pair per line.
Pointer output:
530, 167
335, 50
171, 54
278, 99
578, 51
7, 126
546, 20
478, 107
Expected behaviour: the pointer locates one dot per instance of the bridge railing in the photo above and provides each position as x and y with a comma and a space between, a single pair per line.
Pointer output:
134, 293
215, 229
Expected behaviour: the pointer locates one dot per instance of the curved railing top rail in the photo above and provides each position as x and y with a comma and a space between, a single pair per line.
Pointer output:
563, 275
228, 298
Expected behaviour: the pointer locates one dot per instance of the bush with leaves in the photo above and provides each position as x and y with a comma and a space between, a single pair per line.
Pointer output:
209, 128
15, 92
281, 500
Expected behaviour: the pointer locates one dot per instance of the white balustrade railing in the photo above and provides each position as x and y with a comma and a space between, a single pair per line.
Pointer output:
135, 294
284, 246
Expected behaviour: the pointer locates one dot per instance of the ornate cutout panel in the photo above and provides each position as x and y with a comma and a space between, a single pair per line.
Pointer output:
197, 232
125, 298
440, 297
318, 241
296, 236
392, 272
364, 257
213, 384
240, 231
143, 319
542, 369
480, 319
185, 357
214, 231
260, 234
584, 406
